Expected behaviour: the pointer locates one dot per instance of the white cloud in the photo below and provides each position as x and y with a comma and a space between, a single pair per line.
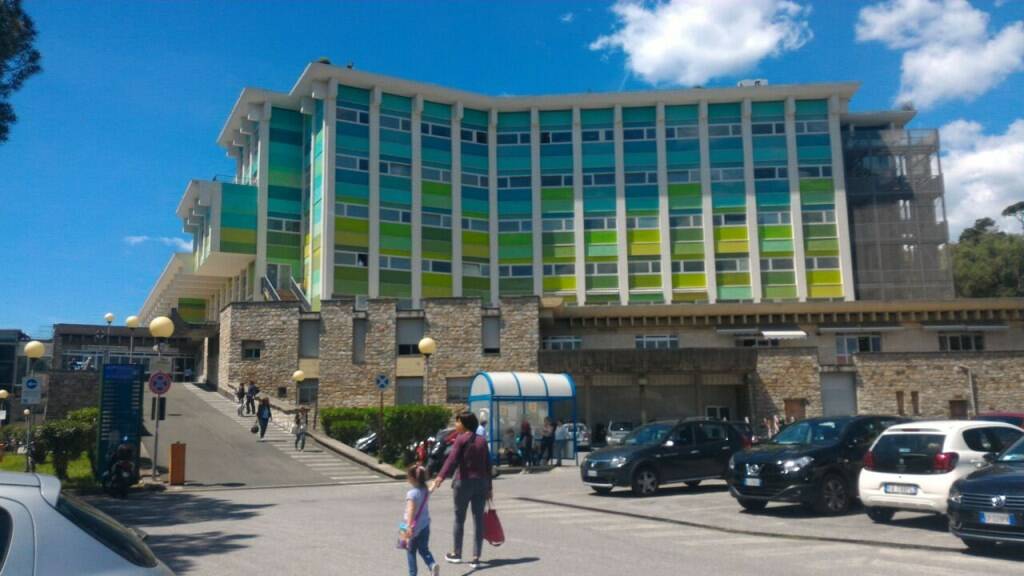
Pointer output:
948, 53
689, 42
567, 18
982, 173
178, 244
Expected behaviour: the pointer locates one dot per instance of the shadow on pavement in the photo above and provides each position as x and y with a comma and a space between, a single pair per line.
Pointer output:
499, 562
932, 522
800, 511
681, 489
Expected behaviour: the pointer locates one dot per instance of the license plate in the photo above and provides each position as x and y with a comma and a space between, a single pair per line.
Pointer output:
755, 482
906, 489
996, 518
592, 473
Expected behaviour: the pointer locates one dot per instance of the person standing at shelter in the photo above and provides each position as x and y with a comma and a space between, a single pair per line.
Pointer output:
526, 444
561, 437
547, 442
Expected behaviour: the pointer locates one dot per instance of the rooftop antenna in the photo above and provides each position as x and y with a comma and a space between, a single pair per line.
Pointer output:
350, 65
323, 60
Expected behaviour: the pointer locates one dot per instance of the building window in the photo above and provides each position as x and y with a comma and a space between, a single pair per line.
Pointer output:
476, 270
346, 258
562, 343
796, 408
768, 218
492, 335
899, 403
756, 342
822, 263
685, 221
729, 219
309, 339
915, 403
601, 269
284, 225
409, 391
559, 269
687, 266
966, 342
849, 344
958, 409
732, 265
252, 349
458, 390
409, 332
776, 264
308, 391
657, 342
359, 340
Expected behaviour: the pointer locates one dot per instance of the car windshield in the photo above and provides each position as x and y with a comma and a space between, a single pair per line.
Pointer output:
620, 426
1014, 453
108, 531
648, 435
811, 432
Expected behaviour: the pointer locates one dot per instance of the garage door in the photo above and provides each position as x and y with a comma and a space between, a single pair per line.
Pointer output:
838, 394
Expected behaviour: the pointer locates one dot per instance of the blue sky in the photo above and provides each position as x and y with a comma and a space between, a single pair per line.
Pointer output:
133, 94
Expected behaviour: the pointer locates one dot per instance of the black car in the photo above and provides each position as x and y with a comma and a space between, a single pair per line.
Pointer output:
664, 452
814, 462
987, 506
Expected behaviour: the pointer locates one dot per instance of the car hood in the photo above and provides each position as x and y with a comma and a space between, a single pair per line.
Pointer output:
615, 452
768, 452
996, 479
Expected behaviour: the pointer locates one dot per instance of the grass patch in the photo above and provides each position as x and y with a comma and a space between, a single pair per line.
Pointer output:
79, 471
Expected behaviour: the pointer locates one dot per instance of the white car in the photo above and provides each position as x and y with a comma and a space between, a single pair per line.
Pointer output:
912, 466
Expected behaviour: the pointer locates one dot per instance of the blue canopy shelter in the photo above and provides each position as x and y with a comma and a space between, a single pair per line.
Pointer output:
511, 397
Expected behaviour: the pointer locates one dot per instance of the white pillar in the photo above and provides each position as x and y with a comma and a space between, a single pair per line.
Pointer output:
261, 113
839, 179
492, 200
373, 253
417, 202
664, 229
327, 202
705, 211
537, 241
620, 208
795, 213
579, 238
457, 199
754, 247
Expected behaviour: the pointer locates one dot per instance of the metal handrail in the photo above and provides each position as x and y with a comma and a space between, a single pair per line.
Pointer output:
299, 294
269, 292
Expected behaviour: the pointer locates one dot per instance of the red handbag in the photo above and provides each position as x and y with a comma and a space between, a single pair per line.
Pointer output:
493, 532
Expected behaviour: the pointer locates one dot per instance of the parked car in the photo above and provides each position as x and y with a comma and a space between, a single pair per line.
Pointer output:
617, 431
35, 516
582, 435
746, 429
987, 506
814, 462
439, 449
367, 444
1015, 418
664, 452
912, 466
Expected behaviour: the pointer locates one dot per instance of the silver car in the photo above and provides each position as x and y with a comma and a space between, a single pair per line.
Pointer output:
617, 431
46, 533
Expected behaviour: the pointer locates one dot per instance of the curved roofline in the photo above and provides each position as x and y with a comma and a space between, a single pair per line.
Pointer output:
320, 72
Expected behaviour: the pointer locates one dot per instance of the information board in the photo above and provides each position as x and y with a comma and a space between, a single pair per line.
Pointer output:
120, 412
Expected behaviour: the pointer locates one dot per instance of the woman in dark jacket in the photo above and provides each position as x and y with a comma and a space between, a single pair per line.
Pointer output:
263, 416
526, 443
470, 462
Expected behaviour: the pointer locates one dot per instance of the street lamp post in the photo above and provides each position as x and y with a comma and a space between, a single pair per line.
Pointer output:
109, 317
427, 348
33, 351
132, 322
159, 327
298, 376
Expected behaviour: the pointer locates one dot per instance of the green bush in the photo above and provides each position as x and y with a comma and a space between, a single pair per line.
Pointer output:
403, 425
88, 418
66, 440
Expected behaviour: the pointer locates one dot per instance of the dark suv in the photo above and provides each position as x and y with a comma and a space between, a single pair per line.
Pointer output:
988, 506
664, 452
814, 462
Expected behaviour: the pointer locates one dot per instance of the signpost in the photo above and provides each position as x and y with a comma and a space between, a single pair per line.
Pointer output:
159, 384
31, 391
382, 383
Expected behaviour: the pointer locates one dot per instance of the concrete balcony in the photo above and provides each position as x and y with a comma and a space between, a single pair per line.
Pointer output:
221, 217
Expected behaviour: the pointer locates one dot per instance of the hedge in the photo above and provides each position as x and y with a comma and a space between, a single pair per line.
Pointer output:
403, 425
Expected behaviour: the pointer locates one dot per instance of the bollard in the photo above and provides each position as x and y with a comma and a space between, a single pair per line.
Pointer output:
176, 468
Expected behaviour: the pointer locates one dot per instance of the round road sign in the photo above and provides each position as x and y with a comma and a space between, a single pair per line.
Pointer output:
159, 383
382, 381
31, 383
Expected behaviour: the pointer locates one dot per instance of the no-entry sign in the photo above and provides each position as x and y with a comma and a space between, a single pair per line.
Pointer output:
159, 383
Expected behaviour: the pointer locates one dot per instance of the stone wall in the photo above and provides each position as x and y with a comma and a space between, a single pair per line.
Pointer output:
998, 378
786, 374
67, 391
276, 325
344, 382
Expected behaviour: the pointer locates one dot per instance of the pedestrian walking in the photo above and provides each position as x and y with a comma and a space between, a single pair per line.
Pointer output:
547, 441
416, 522
471, 465
526, 443
250, 397
299, 430
240, 398
561, 438
263, 416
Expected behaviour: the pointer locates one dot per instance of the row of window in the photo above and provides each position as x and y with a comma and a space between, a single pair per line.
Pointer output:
559, 225
515, 225
822, 263
599, 223
555, 180
393, 168
353, 115
819, 217
437, 220
779, 217
475, 180
436, 174
395, 215
601, 269
476, 269
559, 269
555, 136
776, 264
395, 263
515, 271
644, 266
505, 182
284, 225
739, 219
686, 266
475, 224
439, 130
657, 342
723, 130
437, 266
395, 123
726, 174
351, 210
685, 221
513, 138
473, 136
732, 265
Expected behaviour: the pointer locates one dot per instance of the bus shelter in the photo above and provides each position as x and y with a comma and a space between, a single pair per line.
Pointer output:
509, 398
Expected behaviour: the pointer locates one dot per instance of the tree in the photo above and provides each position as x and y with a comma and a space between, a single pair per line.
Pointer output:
18, 58
988, 263
1017, 211
981, 227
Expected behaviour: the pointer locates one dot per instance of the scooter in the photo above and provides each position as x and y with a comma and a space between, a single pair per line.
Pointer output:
121, 473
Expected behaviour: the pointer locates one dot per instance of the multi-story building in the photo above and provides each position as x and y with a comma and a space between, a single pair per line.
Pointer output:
366, 211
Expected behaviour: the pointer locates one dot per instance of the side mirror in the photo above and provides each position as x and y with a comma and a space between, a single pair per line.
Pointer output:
668, 444
990, 457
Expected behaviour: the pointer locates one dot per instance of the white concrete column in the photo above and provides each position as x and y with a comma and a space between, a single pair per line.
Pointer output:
261, 113
373, 254
330, 160
538, 246
753, 242
620, 208
417, 202
842, 217
457, 199
492, 201
579, 239
795, 213
707, 224
664, 229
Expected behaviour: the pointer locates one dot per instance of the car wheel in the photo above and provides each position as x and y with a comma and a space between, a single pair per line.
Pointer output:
833, 497
602, 489
693, 484
980, 546
645, 482
880, 515
753, 505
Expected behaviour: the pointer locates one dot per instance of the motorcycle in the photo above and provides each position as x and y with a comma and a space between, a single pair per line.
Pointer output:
120, 474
